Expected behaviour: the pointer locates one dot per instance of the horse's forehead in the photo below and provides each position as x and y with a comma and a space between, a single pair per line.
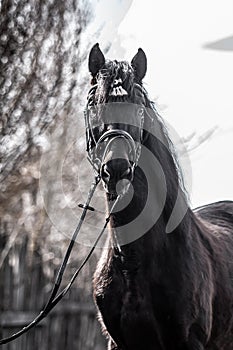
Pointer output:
115, 71
122, 69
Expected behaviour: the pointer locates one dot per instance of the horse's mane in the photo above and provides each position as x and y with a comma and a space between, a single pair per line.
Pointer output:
159, 142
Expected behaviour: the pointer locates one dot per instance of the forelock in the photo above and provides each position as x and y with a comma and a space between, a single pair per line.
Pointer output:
113, 70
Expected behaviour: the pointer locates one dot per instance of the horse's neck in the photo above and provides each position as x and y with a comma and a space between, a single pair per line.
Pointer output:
136, 230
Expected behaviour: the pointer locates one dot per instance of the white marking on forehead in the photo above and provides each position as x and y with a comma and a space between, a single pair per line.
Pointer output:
116, 82
117, 89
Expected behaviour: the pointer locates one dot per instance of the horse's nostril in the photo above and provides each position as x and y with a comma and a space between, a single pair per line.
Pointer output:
115, 170
127, 174
105, 173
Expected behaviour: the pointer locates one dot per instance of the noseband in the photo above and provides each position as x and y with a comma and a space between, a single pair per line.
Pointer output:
109, 137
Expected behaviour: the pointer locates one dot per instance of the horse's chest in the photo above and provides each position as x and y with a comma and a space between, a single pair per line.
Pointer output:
127, 313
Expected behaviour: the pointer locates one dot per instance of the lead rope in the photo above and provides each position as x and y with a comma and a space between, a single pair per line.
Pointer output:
54, 298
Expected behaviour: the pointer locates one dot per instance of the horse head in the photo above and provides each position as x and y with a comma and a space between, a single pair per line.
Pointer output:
114, 118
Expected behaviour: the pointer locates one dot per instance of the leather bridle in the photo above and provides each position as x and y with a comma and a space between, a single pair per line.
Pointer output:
96, 157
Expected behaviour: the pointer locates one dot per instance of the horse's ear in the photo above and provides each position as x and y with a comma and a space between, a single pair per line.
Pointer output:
139, 64
96, 60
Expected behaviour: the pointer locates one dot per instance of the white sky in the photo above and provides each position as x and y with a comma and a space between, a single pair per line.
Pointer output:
195, 84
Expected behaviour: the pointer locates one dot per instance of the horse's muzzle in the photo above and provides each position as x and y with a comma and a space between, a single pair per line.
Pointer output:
116, 175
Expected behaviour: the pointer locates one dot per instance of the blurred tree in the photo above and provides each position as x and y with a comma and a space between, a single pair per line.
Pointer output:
41, 88
40, 85
40, 61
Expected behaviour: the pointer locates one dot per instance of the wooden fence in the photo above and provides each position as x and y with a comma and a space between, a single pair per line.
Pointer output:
72, 325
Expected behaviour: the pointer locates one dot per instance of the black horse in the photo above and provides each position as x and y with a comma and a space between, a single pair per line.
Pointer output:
166, 280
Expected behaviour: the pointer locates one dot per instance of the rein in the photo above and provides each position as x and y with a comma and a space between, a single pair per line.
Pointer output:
54, 297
